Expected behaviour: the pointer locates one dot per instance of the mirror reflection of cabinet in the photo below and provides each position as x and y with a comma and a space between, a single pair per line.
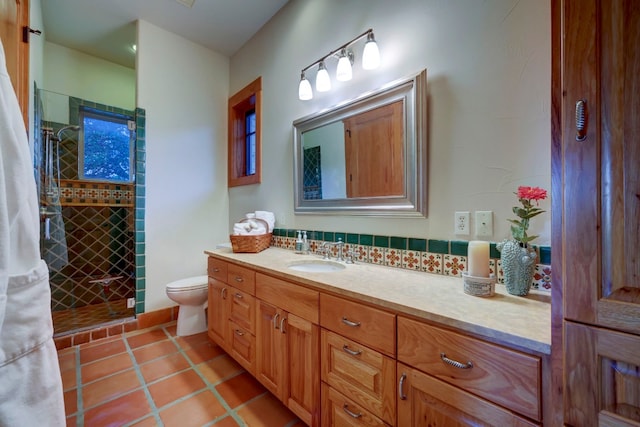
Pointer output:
367, 156
374, 153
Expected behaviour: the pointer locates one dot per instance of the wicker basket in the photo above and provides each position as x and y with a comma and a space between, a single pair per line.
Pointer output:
253, 243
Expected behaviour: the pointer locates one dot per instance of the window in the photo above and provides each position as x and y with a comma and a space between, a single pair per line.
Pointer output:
106, 147
244, 135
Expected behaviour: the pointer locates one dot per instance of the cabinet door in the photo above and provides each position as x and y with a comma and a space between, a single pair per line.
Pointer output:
601, 65
217, 312
242, 309
608, 364
241, 346
362, 374
427, 401
271, 357
303, 349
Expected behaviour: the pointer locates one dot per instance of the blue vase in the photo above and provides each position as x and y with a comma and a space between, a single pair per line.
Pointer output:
518, 266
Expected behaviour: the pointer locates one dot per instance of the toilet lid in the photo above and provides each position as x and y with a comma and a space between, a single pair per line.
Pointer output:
189, 283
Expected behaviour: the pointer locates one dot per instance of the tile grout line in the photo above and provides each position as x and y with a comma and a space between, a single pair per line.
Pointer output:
210, 386
145, 388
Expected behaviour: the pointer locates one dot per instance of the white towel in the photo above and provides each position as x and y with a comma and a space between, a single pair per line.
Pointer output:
267, 216
248, 228
31, 386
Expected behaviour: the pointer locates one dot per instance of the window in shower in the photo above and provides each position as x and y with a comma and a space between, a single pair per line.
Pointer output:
106, 146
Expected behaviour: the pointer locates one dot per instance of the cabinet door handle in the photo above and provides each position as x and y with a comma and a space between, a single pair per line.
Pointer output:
239, 279
401, 394
581, 120
351, 352
237, 295
350, 322
284, 319
239, 332
223, 293
275, 320
455, 363
351, 413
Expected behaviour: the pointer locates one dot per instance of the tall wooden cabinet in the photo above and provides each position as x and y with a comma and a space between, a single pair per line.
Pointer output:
600, 210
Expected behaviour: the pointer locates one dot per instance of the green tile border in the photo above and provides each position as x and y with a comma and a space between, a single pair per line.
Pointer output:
437, 246
140, 202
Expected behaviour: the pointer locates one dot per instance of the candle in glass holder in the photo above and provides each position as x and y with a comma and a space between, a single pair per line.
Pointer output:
478, 258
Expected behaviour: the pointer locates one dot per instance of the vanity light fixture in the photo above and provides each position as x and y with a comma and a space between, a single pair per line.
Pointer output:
370, 61
304, 90
323, 81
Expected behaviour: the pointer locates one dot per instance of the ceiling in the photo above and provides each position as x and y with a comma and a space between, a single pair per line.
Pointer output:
107, 29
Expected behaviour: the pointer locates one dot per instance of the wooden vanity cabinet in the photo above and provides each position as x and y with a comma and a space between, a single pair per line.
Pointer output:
358, 363
452, 379
288, 345
424, 400
231, 312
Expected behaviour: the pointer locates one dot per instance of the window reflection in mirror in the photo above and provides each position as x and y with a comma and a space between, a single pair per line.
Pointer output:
366, 156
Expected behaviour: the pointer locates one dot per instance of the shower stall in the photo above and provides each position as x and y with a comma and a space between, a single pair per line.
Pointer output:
87, 219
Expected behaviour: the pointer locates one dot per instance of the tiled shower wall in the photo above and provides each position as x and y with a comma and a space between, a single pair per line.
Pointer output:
427, 255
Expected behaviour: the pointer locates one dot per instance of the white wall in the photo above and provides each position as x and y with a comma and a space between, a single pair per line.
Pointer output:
183, 88
73, 73
488, 69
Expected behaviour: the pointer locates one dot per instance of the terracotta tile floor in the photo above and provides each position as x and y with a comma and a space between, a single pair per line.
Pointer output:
154, 378
78, 319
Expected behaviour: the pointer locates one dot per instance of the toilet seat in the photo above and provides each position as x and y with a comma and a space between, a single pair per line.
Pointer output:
188, 284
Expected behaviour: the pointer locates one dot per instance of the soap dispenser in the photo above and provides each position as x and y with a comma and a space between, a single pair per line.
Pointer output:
305, 242
299, 243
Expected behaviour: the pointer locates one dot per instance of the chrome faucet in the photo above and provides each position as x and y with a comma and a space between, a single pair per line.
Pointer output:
339, 244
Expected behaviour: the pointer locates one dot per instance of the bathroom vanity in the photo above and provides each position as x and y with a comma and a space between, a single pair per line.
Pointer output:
368, 345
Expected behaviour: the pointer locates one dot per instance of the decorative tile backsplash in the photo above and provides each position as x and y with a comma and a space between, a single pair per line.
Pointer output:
448, 257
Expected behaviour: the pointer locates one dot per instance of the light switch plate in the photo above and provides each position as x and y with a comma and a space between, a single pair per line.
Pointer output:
484, 223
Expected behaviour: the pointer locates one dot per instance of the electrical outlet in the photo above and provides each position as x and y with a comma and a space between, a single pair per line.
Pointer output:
461, 223
131, 302
484, 223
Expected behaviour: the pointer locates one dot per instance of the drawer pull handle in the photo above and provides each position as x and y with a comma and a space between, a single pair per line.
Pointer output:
216, 270
351, 414
239, 333
401, 394
282, 324
239, 279
351, 352
350, 322
455, 363
239, 296
275, 320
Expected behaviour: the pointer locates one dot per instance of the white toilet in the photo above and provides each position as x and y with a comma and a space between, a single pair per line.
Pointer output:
191, 294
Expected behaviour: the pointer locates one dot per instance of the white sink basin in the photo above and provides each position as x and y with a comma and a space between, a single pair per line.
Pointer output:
316, 266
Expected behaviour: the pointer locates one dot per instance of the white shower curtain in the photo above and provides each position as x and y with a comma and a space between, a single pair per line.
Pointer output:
30, 382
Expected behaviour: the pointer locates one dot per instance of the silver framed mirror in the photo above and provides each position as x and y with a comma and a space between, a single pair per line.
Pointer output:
366, 156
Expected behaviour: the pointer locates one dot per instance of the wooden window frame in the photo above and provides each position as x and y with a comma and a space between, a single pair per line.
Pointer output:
248, 98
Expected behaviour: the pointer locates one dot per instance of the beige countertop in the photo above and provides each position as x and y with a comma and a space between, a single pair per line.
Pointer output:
523, 322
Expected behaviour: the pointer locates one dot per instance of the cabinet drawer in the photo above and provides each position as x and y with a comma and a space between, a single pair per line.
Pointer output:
426, 401
365, 375
242, 309
217, 269
339, 411
292, 298
242, 278
506, 377
242, 346
367, 325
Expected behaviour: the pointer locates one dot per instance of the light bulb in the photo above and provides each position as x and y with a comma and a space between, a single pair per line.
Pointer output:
304, 89
343, 72
323, 81
371, 55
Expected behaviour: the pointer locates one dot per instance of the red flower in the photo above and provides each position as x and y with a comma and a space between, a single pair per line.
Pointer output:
531, 193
